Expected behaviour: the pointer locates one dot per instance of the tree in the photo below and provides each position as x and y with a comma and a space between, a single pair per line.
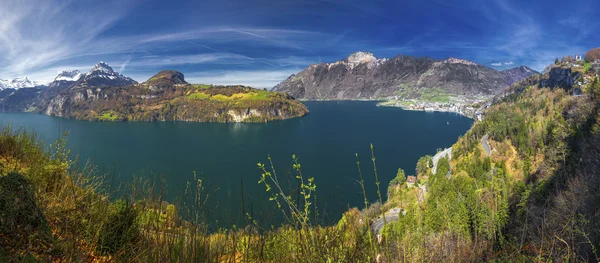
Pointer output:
401, 176
556, 62
423, 165
592, 55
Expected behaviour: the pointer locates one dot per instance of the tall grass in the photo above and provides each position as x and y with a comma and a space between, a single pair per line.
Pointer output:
138, 225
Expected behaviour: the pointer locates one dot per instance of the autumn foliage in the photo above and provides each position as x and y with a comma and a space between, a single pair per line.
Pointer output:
592, 55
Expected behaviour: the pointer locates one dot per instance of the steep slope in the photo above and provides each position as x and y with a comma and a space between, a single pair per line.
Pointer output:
363, 76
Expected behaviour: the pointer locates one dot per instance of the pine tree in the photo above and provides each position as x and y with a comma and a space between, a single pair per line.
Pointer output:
556, 62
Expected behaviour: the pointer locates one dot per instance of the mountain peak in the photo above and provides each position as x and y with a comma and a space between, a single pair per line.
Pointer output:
68, 75
18, 83
103, 75
360, 57
102, 66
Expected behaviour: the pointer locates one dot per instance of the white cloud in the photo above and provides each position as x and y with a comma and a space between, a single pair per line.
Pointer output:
496, 64
508, 63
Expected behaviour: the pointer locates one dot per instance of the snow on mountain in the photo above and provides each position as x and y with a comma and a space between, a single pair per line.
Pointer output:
68, 75
103, 74
100, 75
19, 83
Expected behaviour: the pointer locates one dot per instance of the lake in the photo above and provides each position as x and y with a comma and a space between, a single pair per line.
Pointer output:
226, 155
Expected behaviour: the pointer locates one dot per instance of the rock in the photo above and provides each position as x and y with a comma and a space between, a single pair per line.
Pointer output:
561, 77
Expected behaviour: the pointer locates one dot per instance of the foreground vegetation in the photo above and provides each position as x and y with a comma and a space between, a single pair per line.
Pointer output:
51, 211
534, 198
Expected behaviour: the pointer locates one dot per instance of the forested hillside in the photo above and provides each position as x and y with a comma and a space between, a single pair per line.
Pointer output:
535, 198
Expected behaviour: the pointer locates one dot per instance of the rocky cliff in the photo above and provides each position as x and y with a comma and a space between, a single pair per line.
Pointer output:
363, 76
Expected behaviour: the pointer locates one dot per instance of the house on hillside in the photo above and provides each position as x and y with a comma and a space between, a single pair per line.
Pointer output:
411, 181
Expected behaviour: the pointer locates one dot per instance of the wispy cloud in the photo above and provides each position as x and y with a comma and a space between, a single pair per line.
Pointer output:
36, 34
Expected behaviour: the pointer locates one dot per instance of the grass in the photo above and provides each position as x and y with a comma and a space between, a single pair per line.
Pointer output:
258, 95
156, 78
201, 86
109, 116
199, 95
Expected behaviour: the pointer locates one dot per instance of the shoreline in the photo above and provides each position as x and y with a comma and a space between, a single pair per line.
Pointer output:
466, 110
426, 109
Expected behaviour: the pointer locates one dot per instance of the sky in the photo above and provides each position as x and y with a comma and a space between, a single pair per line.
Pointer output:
260, 43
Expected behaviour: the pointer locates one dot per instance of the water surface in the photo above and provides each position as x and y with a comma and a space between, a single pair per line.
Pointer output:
226, 155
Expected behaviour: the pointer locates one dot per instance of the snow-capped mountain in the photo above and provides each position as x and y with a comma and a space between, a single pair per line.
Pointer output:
19, 83
68, 75
103, 75
100, 75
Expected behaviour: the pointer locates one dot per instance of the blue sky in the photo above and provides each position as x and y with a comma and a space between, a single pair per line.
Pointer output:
260, 43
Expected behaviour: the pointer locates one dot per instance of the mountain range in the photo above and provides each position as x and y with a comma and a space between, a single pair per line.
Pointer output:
19, 83
363, 76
